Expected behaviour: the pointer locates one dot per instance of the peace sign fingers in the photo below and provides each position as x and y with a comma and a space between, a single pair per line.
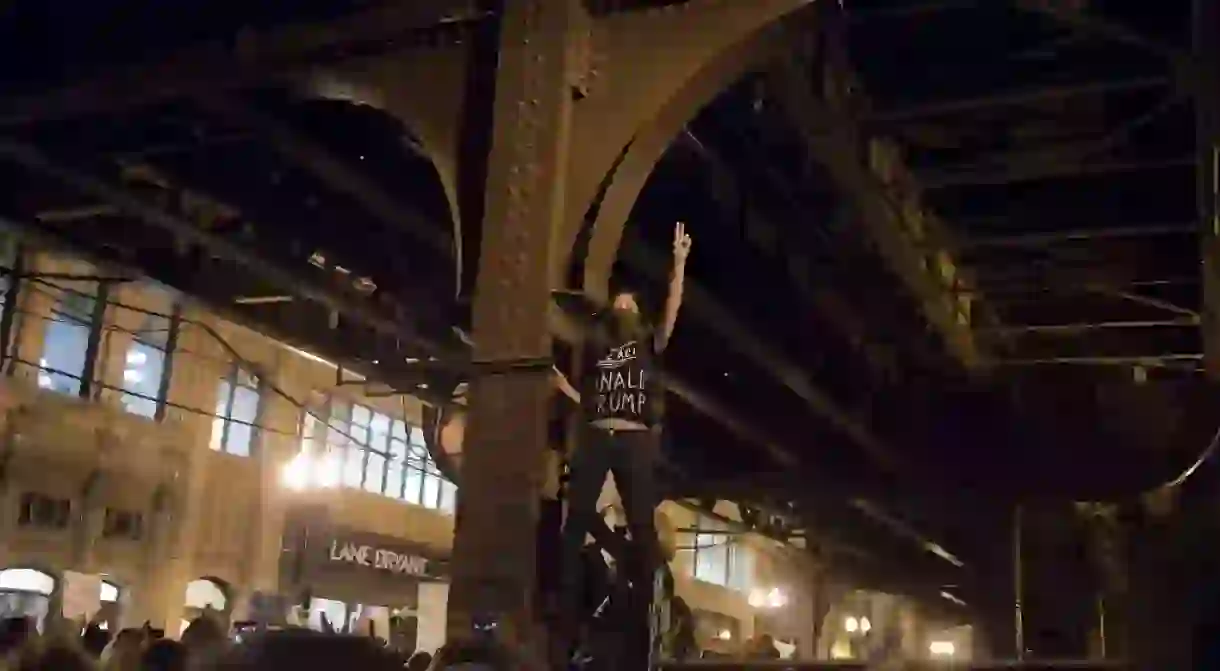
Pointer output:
682, 241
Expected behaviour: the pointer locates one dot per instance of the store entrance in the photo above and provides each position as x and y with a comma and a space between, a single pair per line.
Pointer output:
26, 592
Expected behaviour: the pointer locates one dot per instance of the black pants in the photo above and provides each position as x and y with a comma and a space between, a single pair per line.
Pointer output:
631, 456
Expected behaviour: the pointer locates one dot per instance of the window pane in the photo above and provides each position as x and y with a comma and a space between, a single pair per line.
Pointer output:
398, 450
353, 467
63, 356
399, 430
142, 373
379, 432
448, 496
393, 480
338, 426
415, 483
309, 432
361, 415
218, 432
432, 491
224, 392
711, 558
239, 439
373, 472
245, 405
741, 567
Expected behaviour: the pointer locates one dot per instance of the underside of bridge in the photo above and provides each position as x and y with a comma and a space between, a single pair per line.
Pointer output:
948, 255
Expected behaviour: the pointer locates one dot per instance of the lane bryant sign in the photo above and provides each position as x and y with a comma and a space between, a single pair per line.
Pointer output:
377, 558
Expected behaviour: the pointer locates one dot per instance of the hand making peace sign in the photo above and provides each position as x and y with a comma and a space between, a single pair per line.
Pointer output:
681, 242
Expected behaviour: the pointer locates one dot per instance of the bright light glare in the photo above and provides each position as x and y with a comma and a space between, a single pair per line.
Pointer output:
296, 473
305, 471
724, 635
942, 648
851, 624
135, 357
762, 598
865, 625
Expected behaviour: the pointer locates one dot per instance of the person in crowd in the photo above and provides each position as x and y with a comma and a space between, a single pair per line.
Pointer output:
682, 634
420, 661
124, 652
204, 636
304, 649
164, 655
622, 402
51, 654
14, 631
764, 648
95, 639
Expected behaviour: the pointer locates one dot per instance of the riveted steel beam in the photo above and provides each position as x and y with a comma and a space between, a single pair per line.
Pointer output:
1033, 240
1012, 99
990, 175
1091, 22
503, 454
253, 60
1207, 172
908, 238
341, 301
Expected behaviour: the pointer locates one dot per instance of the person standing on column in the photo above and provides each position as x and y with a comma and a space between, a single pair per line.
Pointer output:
621, 398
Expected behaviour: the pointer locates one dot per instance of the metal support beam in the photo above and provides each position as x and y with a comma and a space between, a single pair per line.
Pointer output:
1070, 329
254, 60
1207, 134
1013, 98
1075, 235
494, 564
342, 177
358, 308
989, 175
1102, 27
885, 220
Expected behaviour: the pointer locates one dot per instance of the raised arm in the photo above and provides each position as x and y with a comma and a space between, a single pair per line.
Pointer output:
565, 387
673, 299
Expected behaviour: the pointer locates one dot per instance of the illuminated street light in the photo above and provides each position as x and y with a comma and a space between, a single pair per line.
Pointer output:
942, 648
306, 471
762, 598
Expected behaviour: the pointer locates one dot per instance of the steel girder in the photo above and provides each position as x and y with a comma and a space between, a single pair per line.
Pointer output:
253, 59
1207, 113
909, 239
333, 171
290, 275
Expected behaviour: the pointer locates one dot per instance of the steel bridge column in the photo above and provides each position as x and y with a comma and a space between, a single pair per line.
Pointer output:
1207, 106
494, 552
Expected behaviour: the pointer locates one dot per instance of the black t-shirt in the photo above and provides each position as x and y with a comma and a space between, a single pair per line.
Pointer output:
620, 379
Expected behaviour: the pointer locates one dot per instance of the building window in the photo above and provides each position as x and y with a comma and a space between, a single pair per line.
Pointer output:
370, 450
109, 592
144, 366
237, 401
65, 343
38, 510
122, 524
718, 557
